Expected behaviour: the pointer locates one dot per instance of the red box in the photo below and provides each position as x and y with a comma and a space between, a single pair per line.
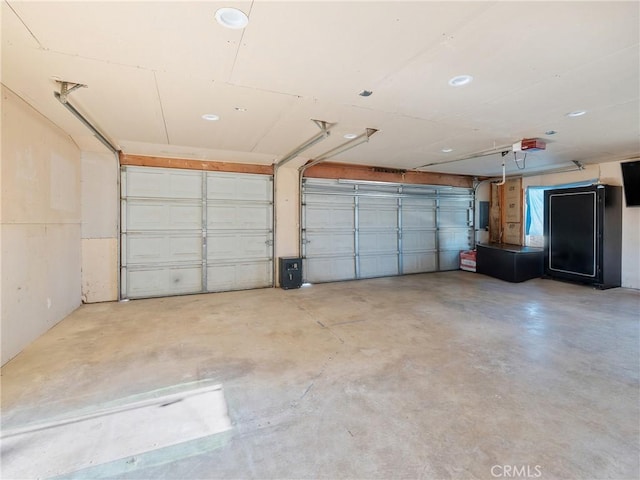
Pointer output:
468, 260
532, 144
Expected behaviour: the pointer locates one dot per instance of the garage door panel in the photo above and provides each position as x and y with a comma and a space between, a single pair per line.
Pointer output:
375, 218
329, 216
330, 243
163, 215
418, 202
378, 265
329, 269
377, 189
145, 249
413, 217
455, 239
163, 183
228, 246
378, 202
345, 198
449, 260
419, 262
377, 212
239, 276
378, 242
457, 202
238, 217
325, 187
229, 187
453, 218
155, 282
418, 240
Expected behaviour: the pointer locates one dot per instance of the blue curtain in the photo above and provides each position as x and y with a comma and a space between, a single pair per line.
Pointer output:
534, 201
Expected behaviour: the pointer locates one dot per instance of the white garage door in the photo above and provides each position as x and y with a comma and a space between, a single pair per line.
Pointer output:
357, 230
188, 231
329, 234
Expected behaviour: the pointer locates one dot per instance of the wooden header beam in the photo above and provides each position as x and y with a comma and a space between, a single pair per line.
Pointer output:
360, 172
321, 170
211, 166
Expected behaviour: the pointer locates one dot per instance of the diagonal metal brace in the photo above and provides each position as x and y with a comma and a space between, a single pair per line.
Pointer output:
323, 126
67, 87
359, 140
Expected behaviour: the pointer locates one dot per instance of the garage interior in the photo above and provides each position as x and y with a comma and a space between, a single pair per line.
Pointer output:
160, 161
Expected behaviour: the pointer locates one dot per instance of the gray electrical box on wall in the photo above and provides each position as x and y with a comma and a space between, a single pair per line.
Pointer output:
483, 215
290, 272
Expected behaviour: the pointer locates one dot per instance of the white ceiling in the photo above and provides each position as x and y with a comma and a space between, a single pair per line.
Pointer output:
153, 68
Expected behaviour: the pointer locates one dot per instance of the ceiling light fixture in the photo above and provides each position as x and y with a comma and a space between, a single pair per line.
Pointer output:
550, 132
365, 93
240, 109
576, 113
447, 150
231, 18
211, 117
460, 80
350, 136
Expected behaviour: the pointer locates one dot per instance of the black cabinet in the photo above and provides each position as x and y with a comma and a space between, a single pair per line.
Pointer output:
583, 234
290, 272
511, 263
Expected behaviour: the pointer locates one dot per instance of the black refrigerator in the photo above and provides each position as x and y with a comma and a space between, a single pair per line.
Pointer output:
583, 235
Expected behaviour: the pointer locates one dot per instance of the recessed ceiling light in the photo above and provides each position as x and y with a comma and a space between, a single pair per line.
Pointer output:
350, 136
365, 93
231, 18
550, 132
576, 113
460, 80
212, 117
240, 109
447, 150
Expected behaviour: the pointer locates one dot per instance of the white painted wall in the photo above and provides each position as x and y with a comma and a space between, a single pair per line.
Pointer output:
611, 173
40, 225
100, 206
287, 201
608, 173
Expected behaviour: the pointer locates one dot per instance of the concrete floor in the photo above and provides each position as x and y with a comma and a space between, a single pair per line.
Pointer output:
447, 375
